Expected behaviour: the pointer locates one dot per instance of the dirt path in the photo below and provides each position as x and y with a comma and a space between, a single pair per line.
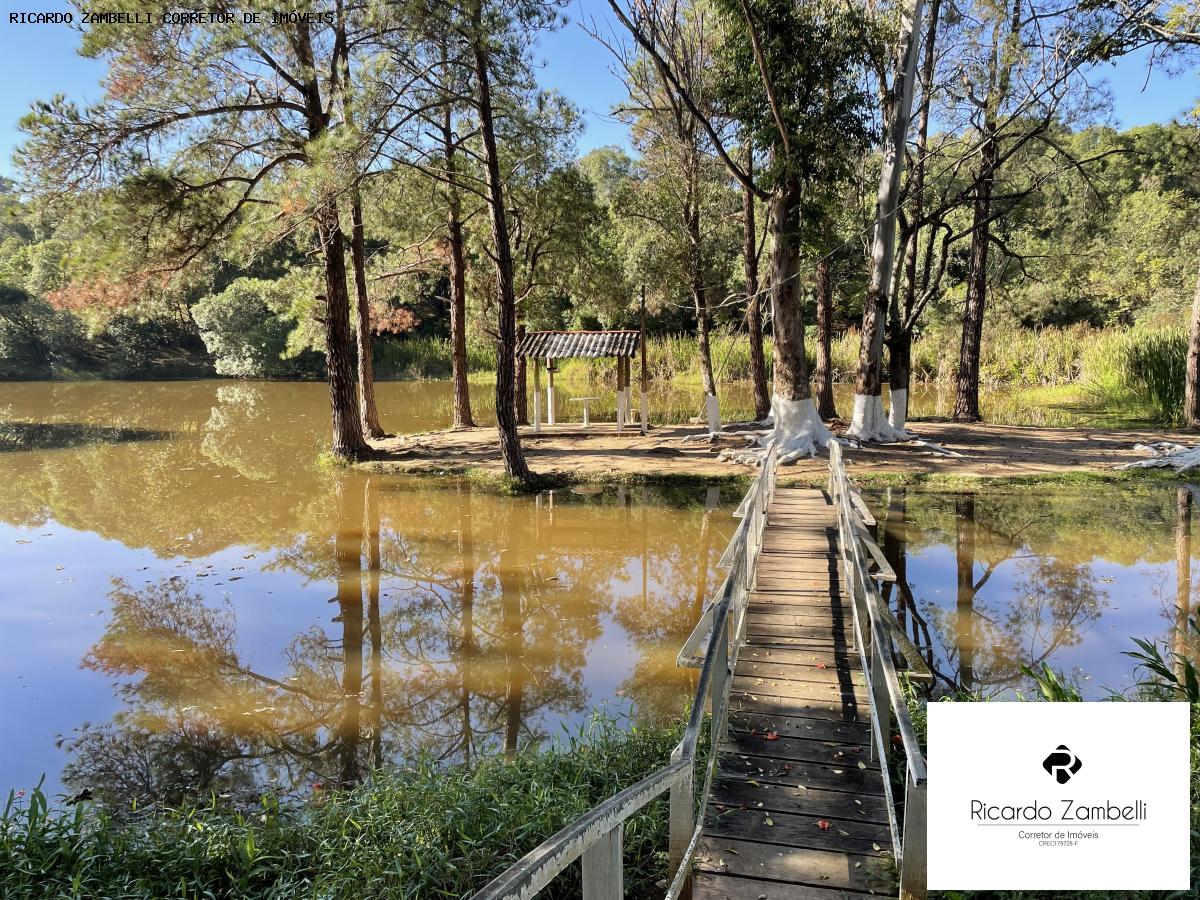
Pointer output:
603, 453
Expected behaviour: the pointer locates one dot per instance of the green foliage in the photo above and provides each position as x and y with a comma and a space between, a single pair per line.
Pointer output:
1052, 686
421, 832
244, 334
1172, 674
1155, 364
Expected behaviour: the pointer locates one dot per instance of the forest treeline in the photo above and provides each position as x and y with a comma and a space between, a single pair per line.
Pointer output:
307, 199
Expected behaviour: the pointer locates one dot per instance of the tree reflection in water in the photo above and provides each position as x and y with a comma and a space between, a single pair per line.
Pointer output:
1021, 595
459, 625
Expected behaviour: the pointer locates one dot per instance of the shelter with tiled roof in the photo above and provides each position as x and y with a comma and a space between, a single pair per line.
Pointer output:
548, 346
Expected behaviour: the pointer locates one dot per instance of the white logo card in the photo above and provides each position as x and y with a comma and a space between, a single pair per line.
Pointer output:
1066, 796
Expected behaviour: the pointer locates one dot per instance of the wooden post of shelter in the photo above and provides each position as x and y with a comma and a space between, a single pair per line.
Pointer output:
645, 402
620, 360
537, 395
550, 390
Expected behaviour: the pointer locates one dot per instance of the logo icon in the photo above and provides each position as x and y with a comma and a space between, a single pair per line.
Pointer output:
1062, 764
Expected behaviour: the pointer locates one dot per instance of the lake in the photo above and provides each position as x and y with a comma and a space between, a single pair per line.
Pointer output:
188, 600
996, 578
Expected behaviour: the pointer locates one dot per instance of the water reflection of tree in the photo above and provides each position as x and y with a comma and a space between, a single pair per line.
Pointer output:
457, 628
661, 615
984, 641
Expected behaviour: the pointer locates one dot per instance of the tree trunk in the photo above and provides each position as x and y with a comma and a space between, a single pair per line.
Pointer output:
867, 421
374, 622
510, 444
758, 364
458, 279
826, 408
1183, 576
467, 647
1191, 391
699, 289
368, 412
348, 441
966, 402
703, 327
901, 328
348, 571
798, 430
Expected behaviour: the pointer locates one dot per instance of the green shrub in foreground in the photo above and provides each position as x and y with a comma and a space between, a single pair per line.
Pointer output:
420, 832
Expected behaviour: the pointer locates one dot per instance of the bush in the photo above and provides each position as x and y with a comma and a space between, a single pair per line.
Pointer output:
246, 338
420, 832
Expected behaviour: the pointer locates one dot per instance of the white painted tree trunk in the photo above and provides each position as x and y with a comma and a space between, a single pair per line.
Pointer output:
871, 424
1175, 456
712, 409
798, 430
898, 408
867, 422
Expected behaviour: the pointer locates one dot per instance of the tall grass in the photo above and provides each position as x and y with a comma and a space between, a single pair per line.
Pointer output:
421, 832
1134, 368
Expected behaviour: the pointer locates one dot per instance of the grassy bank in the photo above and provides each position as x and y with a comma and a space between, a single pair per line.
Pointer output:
421, 832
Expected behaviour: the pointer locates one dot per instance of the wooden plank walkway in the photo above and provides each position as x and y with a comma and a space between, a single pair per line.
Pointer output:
797, 808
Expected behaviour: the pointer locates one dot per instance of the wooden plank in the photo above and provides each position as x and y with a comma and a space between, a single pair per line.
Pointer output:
809, 617
848, 778
603, 877
734, 792
789, 581
793, 749
829, 691
835, 665
801, 830
849, 733
766, 705
769, 667
817, 868
797, 635
707, 886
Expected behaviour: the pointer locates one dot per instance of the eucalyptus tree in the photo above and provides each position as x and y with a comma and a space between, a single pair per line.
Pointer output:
754, 325
788, 73
902, 313
434, 69
868, 422
222, 127
1020, 71
681, 198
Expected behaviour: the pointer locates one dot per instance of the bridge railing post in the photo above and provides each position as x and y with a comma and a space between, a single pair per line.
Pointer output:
879, 695
914, 864
603, 872
681, 824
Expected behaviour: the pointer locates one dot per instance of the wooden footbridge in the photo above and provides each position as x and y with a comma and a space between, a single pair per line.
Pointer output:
812, 784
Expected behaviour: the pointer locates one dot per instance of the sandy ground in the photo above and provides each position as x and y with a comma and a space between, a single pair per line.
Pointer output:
602, 452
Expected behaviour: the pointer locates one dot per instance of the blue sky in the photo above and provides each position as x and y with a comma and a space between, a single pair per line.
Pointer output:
37, 61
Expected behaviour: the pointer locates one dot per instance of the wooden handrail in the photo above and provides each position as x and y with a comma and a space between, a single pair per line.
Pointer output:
888, 703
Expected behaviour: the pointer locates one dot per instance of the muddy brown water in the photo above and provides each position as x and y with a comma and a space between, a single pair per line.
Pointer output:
187, 600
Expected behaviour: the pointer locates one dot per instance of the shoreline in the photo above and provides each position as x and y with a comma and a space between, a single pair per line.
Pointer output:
945, 454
